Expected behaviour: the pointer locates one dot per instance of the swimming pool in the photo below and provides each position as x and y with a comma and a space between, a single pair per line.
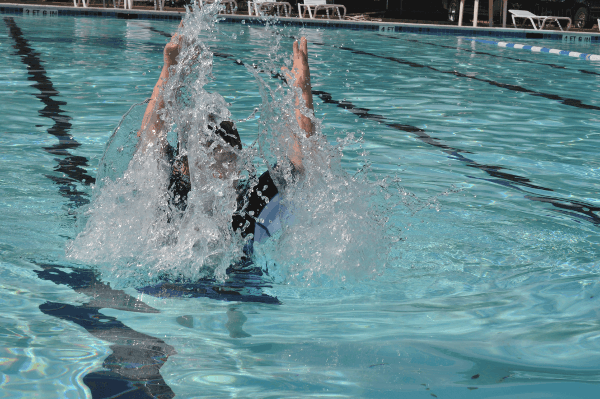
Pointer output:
492, 291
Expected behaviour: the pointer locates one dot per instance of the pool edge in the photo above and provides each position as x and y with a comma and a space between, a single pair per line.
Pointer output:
387, 27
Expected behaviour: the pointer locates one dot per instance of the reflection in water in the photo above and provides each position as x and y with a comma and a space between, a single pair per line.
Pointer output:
244, 284
186, 321
133, 369
235, 321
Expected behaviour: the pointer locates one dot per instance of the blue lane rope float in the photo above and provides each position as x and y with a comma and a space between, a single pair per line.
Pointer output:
536, 49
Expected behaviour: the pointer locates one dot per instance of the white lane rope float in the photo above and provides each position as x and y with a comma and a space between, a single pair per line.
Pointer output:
537, 49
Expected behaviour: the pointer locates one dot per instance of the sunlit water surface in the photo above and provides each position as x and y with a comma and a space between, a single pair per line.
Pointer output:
491, 155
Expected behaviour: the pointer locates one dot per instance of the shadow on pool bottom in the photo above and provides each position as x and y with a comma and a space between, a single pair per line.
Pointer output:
133, 368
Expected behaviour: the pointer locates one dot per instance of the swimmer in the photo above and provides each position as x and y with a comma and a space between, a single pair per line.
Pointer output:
250, 203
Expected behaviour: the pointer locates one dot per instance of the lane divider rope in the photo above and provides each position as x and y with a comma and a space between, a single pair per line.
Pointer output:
537, 49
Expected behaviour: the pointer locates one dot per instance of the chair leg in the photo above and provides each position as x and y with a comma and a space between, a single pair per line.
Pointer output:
514, 22
559, 25
533, 23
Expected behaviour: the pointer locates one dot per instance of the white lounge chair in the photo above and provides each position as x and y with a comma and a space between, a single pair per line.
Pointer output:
86, 3
541, 20
258, 6
313, 6
128, 4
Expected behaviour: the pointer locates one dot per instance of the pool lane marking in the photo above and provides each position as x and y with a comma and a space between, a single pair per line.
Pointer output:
152, 351
500, 177
584, 211
454, 153
489, 54
563, 100
537, 49
160, 32
69, 165
574, 208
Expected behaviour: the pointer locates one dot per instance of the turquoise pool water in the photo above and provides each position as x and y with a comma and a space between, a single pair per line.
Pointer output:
492, 291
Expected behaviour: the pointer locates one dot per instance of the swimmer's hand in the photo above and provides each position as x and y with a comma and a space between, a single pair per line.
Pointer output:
172, 51
300, 75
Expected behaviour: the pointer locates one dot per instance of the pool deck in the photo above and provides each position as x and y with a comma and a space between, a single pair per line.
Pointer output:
38, 7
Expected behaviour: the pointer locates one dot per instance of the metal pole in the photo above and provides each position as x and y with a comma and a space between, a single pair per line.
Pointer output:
491, 12
475, 11
504, 11
461, 11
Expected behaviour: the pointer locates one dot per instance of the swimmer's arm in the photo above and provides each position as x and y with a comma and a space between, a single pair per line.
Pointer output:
152, 124
301, 77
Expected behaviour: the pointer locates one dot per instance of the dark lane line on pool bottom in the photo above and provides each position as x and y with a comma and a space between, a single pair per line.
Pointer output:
490, 54
520, 89
578, 210
136, 359
69, 165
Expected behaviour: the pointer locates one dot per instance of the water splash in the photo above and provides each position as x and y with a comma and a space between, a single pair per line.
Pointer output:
133, 233
337, 230
343, 226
